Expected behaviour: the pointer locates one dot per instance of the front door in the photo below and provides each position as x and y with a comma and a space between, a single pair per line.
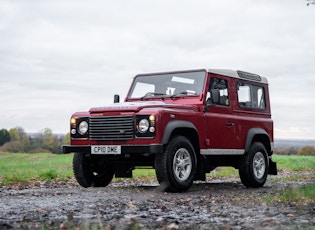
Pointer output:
220, 122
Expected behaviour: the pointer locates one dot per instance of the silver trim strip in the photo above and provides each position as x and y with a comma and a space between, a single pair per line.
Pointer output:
222, 151
272, 145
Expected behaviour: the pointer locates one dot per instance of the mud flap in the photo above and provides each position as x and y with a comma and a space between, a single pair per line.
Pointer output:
201, 170
272, 167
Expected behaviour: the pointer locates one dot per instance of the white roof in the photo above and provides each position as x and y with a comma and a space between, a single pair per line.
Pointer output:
235, 74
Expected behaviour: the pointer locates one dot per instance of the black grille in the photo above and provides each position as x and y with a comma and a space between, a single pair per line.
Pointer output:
112, 128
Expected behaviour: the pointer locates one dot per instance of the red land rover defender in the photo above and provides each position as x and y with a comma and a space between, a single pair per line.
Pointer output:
183, 124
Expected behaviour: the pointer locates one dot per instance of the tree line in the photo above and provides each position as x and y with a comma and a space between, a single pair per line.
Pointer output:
16, 140
304, 151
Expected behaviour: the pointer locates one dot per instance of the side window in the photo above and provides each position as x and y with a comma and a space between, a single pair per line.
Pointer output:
251, 96
218, 93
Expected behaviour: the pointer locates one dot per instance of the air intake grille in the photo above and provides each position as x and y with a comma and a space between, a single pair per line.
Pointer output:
112, 128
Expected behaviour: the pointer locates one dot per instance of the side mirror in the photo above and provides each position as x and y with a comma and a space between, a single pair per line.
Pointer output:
116, 98
215, 96
214, 99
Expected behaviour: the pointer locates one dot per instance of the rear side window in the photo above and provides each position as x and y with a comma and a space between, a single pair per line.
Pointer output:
251, 96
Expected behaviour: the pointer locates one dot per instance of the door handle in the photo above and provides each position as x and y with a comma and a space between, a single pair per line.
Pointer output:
229, 124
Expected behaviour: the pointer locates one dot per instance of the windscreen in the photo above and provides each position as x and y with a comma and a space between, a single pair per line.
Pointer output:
170, 84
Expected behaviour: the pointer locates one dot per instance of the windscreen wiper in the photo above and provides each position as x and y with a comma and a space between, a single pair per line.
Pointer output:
152, 94
182, 93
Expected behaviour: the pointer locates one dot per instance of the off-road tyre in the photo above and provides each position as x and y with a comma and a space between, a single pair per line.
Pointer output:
254, 166
92, 172
177, 166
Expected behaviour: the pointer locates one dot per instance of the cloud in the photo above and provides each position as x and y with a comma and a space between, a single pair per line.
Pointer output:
57, 57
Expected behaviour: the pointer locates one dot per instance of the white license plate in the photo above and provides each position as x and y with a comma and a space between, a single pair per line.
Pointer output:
105, 149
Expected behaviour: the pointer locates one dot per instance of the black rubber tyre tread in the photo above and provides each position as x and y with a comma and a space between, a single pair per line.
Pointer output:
86, 176
246, 171
164, 166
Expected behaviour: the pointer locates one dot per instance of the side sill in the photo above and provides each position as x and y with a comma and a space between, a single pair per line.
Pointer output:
222, 151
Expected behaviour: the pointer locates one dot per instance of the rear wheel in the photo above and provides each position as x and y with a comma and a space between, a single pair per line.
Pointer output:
254, 166
92, 172
176, 167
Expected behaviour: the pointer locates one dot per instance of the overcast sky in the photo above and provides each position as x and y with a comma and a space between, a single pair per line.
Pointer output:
59, 57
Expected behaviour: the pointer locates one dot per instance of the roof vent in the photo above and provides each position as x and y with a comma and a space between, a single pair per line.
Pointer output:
250, 76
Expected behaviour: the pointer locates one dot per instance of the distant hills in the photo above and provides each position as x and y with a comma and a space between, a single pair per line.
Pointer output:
287, 143
278, 143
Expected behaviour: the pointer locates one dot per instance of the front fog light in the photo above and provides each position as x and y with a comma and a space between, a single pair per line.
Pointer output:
83, 127
143, 126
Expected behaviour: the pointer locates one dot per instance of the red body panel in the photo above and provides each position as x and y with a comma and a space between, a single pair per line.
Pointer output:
218, 127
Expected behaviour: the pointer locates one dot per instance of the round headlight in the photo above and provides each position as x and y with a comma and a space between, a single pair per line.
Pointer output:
83, 127
143, 125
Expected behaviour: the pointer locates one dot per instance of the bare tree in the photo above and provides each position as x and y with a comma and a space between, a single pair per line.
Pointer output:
310, 2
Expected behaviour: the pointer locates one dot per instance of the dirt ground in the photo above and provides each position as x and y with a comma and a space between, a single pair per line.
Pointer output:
127, 204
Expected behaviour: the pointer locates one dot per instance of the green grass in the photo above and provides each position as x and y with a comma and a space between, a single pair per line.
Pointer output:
291, 164
284, 163
26, 168
23, 168
294, 163
223, 172
146, 174
303, 195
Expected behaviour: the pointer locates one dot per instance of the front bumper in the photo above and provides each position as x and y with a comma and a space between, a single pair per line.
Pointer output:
132, 149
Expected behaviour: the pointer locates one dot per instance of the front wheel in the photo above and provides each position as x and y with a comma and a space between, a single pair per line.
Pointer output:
254, 166
92, 172
176, 167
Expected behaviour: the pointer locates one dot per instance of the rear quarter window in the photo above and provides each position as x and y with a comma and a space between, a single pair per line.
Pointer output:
251, 96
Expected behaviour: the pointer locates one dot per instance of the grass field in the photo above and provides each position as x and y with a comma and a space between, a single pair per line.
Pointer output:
294, 163
22, 167
26, 168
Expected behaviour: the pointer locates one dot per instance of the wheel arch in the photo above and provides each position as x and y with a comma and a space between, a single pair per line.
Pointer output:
258, 134
183, 128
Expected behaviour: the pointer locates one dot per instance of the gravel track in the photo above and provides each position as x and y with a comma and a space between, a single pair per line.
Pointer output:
128, 204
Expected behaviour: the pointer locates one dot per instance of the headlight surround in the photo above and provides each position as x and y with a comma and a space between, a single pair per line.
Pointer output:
143, 125
83, 127
79, 127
